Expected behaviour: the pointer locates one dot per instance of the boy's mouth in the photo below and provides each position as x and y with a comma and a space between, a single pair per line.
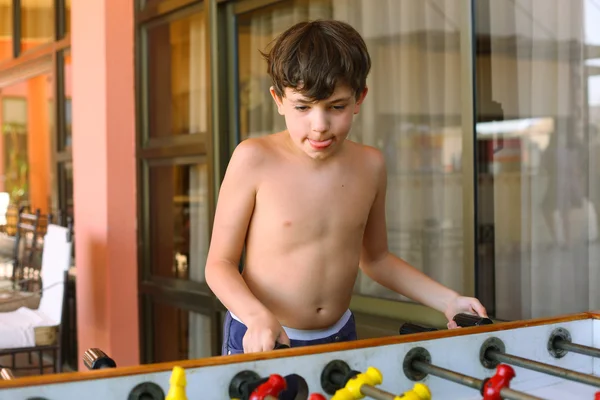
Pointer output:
320, 144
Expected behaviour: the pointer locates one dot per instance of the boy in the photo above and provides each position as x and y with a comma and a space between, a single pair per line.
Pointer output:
309, 205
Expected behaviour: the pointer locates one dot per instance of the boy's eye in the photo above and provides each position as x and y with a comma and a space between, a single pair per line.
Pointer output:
301, 108
339, 107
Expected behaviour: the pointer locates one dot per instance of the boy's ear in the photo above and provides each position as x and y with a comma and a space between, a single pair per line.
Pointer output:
277, 99
361, 98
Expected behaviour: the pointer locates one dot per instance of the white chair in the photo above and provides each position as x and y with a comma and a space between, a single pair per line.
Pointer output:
4, 203
25, 330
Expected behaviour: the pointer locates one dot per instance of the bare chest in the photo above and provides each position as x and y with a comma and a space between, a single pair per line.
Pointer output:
309, 208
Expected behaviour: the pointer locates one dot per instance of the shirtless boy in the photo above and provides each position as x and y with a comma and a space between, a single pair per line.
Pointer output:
309, 206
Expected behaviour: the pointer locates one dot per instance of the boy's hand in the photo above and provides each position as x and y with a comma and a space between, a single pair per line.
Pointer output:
263, 333
461, 304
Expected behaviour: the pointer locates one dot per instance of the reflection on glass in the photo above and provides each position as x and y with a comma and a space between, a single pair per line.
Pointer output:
25, 151
67, 102
67, 16
537, 136
179, 220
412, 114
37, 23
66, 187
179, 334
176, 83
6, 31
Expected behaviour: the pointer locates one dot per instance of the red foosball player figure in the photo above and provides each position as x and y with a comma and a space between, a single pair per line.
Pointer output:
597, 396
270, 389
316, 396
492, 386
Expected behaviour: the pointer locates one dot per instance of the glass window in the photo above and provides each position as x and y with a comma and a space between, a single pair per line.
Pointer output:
37, 23
25, 114
412, 114
538, 101
176, 71
6, 31
65, 137
67, 16
179, 220
179, 334
65, 183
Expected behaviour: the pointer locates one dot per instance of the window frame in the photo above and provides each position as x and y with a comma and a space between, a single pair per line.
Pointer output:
173, 150
45, 58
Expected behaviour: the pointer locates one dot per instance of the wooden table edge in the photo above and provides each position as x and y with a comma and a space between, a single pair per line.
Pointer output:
295, 352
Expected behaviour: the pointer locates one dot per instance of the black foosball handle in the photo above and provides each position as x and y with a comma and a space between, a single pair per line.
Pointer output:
279, 346
409, 327
97, 359
466, 320
335, 375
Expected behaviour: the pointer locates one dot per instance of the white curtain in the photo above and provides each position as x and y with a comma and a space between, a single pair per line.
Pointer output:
546, 199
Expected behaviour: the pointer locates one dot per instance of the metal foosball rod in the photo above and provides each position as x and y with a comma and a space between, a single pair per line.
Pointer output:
577, 348
564, 373
465, 380
497, 354
363, 384
561, 338
378, 394
418, 360
493, 353
339, 380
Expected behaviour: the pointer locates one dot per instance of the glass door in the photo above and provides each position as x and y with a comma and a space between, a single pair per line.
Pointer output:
26, 118
180, 318
538, 98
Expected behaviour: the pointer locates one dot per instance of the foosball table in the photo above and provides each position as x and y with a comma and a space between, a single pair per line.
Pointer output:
552, 358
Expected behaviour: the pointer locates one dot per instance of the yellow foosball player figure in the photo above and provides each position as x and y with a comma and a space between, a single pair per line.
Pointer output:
363, 385
354, 385
178, 384
418, 392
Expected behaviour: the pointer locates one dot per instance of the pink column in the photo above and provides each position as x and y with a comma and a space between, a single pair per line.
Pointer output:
105, 178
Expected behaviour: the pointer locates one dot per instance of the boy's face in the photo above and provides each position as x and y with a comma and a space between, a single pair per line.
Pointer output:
319, 128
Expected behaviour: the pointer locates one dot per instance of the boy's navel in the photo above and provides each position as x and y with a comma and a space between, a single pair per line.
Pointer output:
287, 223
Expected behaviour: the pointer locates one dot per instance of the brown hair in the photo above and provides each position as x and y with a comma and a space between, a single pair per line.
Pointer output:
313, 57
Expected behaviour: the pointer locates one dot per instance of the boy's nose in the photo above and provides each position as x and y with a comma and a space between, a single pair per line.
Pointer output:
320, 124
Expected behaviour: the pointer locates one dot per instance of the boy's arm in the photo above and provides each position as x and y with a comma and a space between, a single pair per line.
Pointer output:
396, 274
232, 217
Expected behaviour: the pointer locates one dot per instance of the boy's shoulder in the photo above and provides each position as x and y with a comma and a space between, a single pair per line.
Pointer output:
369, 155
252, 152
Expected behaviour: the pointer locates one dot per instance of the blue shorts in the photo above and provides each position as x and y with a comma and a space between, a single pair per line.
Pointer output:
344, 330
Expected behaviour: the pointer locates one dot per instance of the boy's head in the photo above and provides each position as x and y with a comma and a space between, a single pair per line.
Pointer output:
314, 57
